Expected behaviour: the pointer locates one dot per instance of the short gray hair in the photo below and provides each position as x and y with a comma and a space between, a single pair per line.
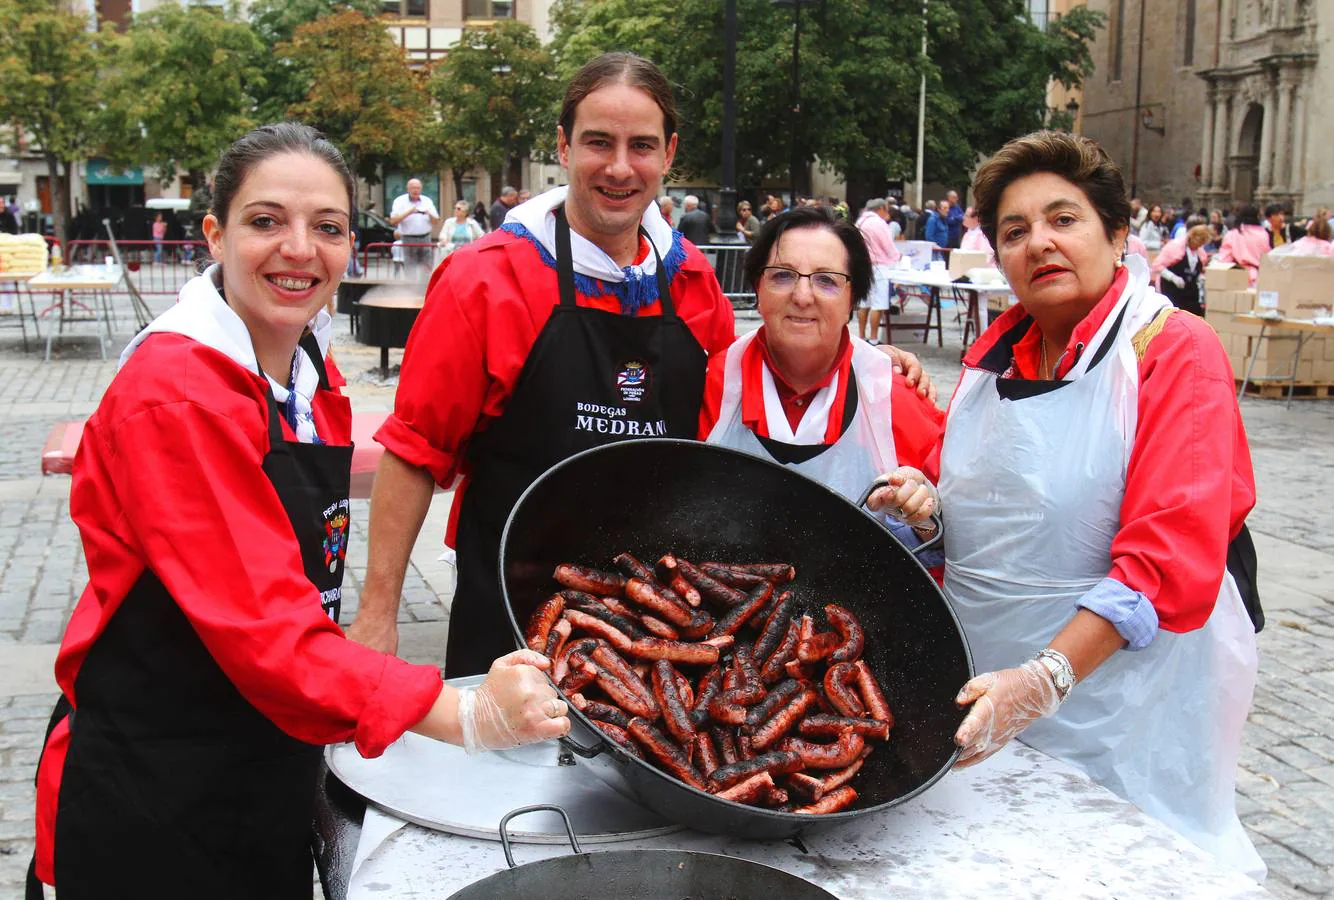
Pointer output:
875, 203
690, 202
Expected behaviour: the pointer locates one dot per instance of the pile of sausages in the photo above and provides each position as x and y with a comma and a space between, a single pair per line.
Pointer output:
713, 672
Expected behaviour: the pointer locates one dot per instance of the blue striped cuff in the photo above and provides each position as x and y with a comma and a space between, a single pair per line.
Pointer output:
1128, 610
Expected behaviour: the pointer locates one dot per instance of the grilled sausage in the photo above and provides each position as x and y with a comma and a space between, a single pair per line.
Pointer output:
627, 625
736, 616
605, 712
775, 626
620, 736
617, 665
778, 763
625, 697
844, 775
774, 669
726, 709
835, 801
672, 575
592, 581
675, 715
850, 630
749, 688
808, 786
775, 797
701, 623
658, 628
560, 633
580, 674
600, 628
838, 682
560, 665
771, 571
660, 746
709, 587
876, 704
658, 600
818, 646
706, 755
783, 721
823, 726
632, 567
726, 742
778, 697
844, 752
676, 651
741, 580
744, 748
685, 691
709, 687
541, 622
750, 791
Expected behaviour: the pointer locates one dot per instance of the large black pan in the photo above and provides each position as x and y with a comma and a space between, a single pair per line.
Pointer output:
704, 502
636, 875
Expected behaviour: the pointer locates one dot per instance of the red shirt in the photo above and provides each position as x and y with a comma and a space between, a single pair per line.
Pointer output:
1189, 482
485, 306
916, 421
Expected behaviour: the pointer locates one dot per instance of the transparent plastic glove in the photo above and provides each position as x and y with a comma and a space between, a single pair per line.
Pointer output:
909, 498
1004, 704
1173, 278
515, 705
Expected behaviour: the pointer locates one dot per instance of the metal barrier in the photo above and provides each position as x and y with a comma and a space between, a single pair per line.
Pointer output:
382, 260
726, 260
180, 261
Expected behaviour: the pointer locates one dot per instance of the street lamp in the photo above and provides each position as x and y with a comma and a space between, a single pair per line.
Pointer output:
794, 163
1146, 119
727, 195
502, 71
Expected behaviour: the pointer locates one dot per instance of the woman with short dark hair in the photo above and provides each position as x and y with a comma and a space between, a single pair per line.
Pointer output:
1093, 473
1246, 244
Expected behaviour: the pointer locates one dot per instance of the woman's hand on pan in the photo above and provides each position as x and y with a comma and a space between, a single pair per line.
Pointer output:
515, 705
910, 497
1004, 704
912, 370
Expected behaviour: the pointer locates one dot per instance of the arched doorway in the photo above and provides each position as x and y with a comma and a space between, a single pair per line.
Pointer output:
1246, 159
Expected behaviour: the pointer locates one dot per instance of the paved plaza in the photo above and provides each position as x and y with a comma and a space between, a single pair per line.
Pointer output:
1286, 777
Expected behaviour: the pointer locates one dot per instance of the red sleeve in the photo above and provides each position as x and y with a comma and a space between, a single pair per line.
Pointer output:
703, 306
917, 425
210, 525
713, 394
1189, 484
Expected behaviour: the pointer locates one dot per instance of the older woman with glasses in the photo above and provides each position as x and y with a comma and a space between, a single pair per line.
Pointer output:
804, 392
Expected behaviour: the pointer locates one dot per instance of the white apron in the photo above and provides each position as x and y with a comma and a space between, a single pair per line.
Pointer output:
1032, 489
863, 452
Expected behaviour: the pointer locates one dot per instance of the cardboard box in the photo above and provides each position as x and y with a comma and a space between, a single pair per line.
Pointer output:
1226, 323
1300, 283
963, 260
1229, 301
1221, 277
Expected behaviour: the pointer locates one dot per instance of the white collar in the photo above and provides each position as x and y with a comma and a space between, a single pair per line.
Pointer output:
537, 217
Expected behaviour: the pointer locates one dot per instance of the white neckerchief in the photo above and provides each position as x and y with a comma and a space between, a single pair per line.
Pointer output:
814, 422
537, 217
202, 314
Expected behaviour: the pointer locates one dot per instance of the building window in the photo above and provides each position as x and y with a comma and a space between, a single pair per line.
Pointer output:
489, 9
407, 9
1118, 32
1188, 50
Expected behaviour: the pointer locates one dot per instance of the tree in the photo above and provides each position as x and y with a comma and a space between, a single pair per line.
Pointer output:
860, 65
275, 22
158, 111
358, 90
49, 67
496, 97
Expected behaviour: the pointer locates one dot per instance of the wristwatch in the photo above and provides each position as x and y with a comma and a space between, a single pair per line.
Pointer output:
1062, 673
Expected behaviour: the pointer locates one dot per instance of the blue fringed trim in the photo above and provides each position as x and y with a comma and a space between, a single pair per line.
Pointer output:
634, 292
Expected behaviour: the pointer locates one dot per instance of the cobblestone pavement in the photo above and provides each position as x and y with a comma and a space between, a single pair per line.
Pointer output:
1286, 775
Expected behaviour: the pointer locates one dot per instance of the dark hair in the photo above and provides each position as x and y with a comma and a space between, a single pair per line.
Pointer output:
1319, 228
1273, 209
859, 258
619, 68
1248, 214
272, 140
1075, 158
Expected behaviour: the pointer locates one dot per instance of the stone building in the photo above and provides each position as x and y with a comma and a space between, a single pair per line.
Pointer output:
1218, 102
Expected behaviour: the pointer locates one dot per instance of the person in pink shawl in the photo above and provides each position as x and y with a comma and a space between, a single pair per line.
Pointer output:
1316, 241
1178, 269
1246, 244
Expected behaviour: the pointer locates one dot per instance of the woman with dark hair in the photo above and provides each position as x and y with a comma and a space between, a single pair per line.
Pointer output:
1094, 473
1154, 230
203, 669
1246, 244
803, 391
1316, 241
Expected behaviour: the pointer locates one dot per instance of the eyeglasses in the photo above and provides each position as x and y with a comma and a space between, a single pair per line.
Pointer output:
782, 280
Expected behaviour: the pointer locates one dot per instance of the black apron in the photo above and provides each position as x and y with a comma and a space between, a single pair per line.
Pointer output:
1187, 297
174, 785
591, 378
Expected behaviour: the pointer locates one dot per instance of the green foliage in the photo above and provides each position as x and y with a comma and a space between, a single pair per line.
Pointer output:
359, 89
49, 64
180, 88
495, 94
860, 67
275, 22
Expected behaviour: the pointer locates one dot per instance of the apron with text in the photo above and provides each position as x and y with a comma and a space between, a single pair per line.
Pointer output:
1031, 487
864, 450
591, 378
173, 783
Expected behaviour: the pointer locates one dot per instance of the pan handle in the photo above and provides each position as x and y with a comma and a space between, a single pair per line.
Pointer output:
883, 481
578, 749
541, 807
